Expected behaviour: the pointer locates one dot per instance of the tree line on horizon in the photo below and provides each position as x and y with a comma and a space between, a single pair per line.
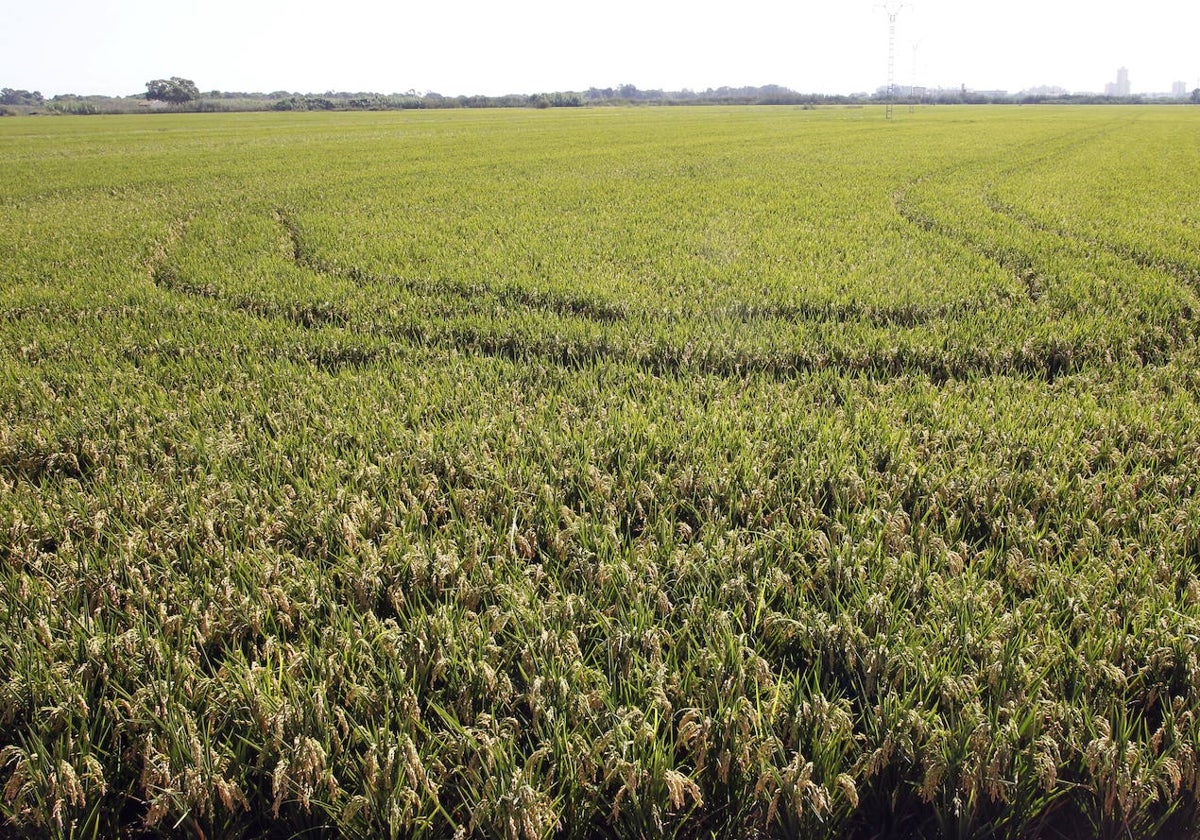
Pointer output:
179, 94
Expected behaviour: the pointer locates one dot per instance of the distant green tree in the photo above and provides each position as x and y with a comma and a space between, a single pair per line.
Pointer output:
9, 96
176, 90
1196, 96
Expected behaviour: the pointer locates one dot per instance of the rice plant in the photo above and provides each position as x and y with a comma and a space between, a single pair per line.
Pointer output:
747, 472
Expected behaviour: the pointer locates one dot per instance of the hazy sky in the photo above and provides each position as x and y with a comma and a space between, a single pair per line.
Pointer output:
526, 46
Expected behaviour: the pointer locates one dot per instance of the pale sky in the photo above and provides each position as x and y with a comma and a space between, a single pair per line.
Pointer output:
526, 46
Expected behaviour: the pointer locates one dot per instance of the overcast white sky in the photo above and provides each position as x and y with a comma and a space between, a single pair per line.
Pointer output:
525, 46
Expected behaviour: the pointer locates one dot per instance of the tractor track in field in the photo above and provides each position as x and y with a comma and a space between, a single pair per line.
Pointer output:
511, 296
156, 265
1019, 265
1189, 276
1023, 267
1046, 361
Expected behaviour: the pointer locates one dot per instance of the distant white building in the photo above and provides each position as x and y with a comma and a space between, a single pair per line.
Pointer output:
1045, 90
1179, 90
1121, 86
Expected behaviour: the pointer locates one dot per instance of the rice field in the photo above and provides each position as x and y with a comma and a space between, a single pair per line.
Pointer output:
663, 472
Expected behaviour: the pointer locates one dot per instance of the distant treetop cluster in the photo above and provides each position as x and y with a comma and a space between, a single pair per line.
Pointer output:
9, 96
176, 90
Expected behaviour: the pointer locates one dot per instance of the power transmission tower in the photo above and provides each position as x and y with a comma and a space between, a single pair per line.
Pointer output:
892, 12
912, 88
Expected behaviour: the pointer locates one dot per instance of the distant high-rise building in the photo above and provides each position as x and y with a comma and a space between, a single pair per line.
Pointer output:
1179, 89
1121, 86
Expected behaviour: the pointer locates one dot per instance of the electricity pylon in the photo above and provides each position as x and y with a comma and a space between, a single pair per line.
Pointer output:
892, 10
